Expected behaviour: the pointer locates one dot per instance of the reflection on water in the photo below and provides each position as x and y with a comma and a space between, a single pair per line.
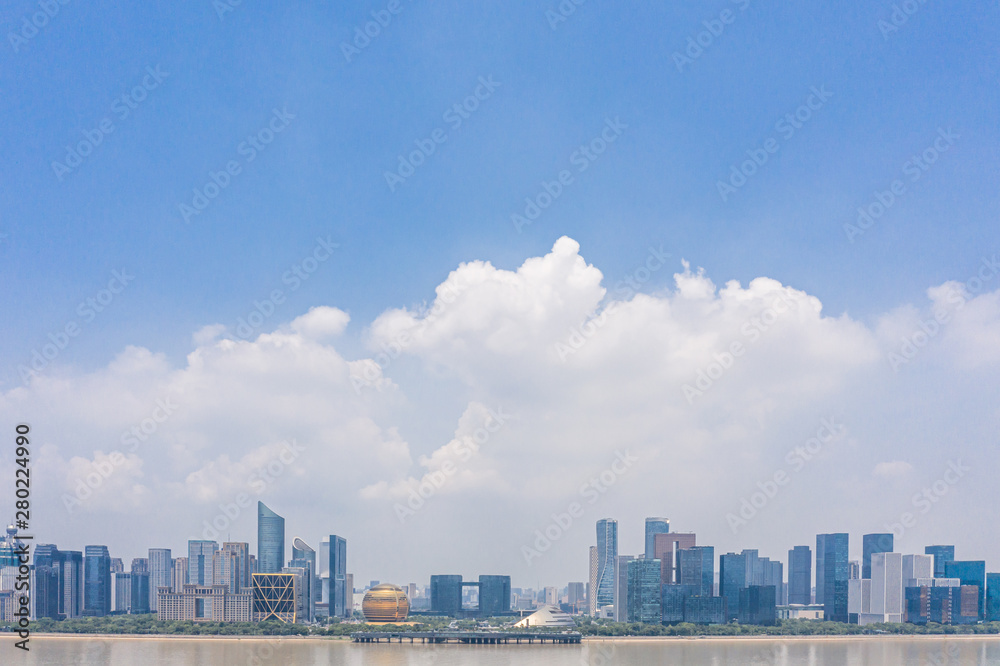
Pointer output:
950, 651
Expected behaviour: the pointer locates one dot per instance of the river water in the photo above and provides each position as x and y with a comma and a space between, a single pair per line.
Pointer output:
132, 651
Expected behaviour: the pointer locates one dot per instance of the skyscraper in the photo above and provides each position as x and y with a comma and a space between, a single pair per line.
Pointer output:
123, 592
270, 540
621, 587
654, 526
180, 573
942, 554
160, 572
494, 595
873, 543
831, 571
201, 556
993, 597
643, 600
97, 581
696, 569
71, 583
887, 596
304, 556
341, 599
446, 594
732, 579
231, 566
800, 575
970, 573
607, 553
665, 547
45, 589
592, 583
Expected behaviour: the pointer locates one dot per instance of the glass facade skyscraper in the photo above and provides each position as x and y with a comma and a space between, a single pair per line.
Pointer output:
607, 555
341, 599
942, 555
993, 597
494, 595
696, 569
832, 573
644, 596
654, 526
446, 594
732, 579
97, 581
970, 573
161, 572
800, 575
873, 543
270, 540
201, 559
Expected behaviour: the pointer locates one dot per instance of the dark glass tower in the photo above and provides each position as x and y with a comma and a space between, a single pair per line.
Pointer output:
873, 543
338, 592
654, 526
993, 597
644, 602
96, 581
800, 575
494, 595
832, 572
970, 573
942, 554
607, 555
696, 569
732, 579
270, 540
446, 594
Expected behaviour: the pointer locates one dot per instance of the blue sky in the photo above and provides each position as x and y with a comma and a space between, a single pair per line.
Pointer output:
926, 88
324, 175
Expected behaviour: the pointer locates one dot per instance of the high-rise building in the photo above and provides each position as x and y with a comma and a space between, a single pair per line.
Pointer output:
201, 557
732, 579
832, 574
139, 587
704, 610
607, 554
340, 598
887, 596
71, 583
180, 577
942, 555
917, 568
870, 544
592, 583
696, 569
303, 605
46, 589
972, 572
576, 597
161, 572
274, 596
665, 547
446, 594
123, 592
757, 605
270, 540
993, 597
97, 581
643, 598
231, 566
304, 555
621, 587
654, 526
672, 602
494, 595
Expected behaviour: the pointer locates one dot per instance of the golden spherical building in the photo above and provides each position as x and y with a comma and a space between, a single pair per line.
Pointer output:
385, 603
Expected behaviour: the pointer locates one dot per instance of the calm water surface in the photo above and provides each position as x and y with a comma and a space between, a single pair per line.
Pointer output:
854, 651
